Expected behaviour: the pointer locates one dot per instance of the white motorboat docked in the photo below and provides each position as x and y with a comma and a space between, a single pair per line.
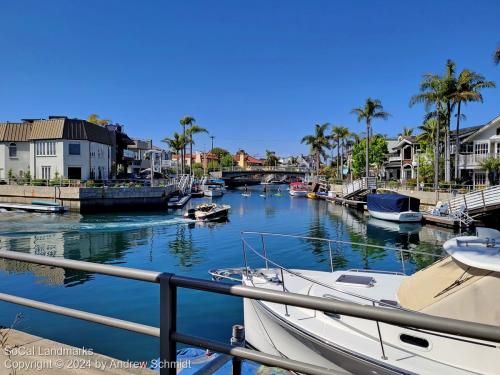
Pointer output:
209, 212
463, 286
298, 189
213, 190
178, 201
394, 207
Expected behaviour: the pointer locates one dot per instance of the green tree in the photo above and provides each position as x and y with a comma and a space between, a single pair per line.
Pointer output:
496, 55
185, 121
371, 110
407, 132
339, 135
377, 153
468, 89
271, 158
492, 166
317, 143
95, 119
219, 152
213, 165
176, 143
226, 160
190, 132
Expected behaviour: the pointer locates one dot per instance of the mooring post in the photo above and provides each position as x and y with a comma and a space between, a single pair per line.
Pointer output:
168, 325
237, 339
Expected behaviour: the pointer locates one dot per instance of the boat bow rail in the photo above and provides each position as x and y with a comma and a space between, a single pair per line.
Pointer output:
169, 336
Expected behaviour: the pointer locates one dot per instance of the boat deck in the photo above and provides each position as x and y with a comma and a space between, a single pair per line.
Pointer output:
33, 207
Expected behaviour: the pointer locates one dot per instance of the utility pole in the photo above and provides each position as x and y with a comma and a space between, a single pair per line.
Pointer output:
212, 138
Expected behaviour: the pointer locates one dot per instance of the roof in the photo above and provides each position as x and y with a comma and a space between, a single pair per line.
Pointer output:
248, 159
466, 131
15, 131
490, 124
72, 129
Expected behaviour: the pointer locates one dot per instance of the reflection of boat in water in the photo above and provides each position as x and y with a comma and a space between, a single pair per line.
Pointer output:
311, 195
459, 286
394, 207
394, 226
298, 189
208, 212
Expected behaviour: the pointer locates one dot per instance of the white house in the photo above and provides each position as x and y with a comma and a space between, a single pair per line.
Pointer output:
482, 144
58, 146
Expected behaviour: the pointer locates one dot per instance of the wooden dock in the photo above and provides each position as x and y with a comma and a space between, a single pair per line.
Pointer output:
359, 205
33, 207
443, 221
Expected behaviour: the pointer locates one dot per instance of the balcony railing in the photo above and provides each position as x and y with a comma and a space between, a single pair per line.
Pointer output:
474, 160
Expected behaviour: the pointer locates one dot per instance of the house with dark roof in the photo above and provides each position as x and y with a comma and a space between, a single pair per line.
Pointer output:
55, 147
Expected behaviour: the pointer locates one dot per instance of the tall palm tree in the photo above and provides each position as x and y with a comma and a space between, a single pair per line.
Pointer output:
372, 109
496, 55
185, 121
339, 134
432, 92
176, 143
407, 132
318, 142
468, 87
190, 132
271, 158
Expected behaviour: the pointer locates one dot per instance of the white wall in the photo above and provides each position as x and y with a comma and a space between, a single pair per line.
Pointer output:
19, 163
54, 162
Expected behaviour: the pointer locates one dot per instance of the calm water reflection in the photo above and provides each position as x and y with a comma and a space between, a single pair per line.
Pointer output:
166, 242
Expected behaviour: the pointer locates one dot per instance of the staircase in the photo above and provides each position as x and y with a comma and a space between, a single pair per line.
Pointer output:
185, 183
361, 186
476, 203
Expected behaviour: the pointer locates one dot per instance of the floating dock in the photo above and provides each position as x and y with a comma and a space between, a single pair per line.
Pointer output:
359, 205
443, 221
33, 208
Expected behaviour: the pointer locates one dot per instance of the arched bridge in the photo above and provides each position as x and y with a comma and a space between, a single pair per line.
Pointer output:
235, 172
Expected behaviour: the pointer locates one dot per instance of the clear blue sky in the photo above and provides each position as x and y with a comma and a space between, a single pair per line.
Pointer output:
258, 74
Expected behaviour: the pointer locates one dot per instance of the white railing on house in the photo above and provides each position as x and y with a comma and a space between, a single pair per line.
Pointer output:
474, 160
478, 201
359, 186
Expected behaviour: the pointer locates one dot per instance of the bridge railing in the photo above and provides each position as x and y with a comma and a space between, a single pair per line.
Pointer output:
278, 168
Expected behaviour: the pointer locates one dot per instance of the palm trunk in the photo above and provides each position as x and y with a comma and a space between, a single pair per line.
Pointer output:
342, 163
436, 151
367, 155
317, 163
183, 150
457, 143
338, 158
447, 151
191, 157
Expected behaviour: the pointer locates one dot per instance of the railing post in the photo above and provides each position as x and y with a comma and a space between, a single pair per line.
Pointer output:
264, 252
168, 325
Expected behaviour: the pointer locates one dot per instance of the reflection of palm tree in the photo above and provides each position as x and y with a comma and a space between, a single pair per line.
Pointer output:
182, 247
317, 230
368, 253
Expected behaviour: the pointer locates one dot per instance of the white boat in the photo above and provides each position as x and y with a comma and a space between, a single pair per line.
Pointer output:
461, 286
298, 189
209, 212
394, 207
178, 201
213, 190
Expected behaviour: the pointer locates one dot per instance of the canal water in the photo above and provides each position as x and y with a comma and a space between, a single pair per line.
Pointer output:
167, 242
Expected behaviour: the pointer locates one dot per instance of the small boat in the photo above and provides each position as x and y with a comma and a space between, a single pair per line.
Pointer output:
246, 194
208, 212
213, 190
311, 195
394, 207
178, 201
298, 189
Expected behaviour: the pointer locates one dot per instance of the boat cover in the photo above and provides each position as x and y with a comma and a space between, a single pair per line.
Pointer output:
392, 203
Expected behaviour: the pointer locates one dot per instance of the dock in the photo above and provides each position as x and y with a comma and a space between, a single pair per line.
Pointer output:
33, 208
443, 221
359, 205
35, 355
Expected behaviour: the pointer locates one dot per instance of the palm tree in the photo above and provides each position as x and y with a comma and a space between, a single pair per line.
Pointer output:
372, 109
468, 88
95, 119
190, 132
271, 158
407, 132
339, 134
176, 143
185, 121
496, 55
432, 93
318, 142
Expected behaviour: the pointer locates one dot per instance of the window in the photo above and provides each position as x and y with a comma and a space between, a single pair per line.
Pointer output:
12, 150
481, 148
75, 173
479, 178
46, 148
46, 173
498, 148
74, 148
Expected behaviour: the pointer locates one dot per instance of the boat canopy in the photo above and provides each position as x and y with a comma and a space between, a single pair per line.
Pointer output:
392, 203
452, 289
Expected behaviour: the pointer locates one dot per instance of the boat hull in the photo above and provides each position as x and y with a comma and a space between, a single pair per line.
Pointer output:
294, 343
213, 193
400, 217
298, 193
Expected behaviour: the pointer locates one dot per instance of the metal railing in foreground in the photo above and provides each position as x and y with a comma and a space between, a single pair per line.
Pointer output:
169, 336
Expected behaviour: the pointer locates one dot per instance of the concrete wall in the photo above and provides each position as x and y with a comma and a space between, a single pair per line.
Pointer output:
428, 198
92, 199
19, 163
55, 162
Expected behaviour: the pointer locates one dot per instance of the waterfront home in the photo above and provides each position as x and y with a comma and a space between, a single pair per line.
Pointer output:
401, 163
244, 160
483, 143
141, 151
121, 157
54, 147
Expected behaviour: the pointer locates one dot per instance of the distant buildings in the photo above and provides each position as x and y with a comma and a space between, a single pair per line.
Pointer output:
244, 160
